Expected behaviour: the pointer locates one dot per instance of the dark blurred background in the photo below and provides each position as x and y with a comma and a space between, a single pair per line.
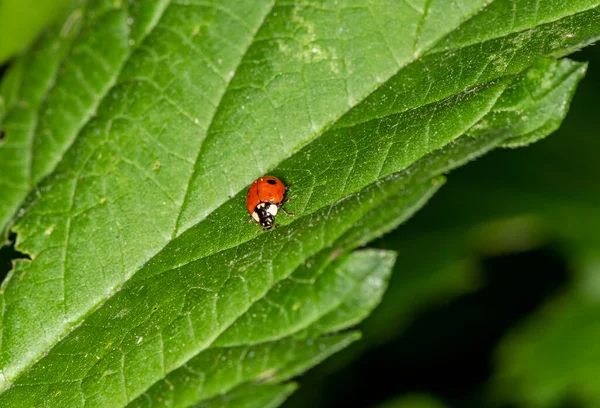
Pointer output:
495, 299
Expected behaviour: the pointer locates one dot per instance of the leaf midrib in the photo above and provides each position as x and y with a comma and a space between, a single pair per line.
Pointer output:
318, 134
117, 288
78, 322
211, 122
305, 325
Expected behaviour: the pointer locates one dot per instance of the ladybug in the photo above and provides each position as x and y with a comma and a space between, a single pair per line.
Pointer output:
265, 197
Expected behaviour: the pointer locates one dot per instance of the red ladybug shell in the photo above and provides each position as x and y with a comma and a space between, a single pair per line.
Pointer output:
267, 189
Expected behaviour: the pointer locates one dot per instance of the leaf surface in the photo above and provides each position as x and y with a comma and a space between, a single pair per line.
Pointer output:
137, 228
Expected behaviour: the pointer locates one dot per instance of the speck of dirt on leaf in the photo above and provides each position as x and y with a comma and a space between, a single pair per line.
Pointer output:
266, 375
336, 253
374, 282
73, 18
49, 230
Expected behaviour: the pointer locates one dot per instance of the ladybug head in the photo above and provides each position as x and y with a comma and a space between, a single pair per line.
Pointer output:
264, 214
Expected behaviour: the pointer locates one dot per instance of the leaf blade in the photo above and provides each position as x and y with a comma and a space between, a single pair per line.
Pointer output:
97, 182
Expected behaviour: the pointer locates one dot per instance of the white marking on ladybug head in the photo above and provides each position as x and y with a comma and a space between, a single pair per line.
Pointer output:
255, 216
261, 205
272, 210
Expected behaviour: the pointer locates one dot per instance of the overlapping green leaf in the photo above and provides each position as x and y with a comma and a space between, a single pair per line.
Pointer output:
138, 232
251, 396
222, 370
54, 90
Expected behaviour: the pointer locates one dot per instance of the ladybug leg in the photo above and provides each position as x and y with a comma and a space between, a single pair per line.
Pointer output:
291, 214
287, 200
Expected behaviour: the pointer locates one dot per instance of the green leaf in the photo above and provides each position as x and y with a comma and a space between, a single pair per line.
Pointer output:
137, 229
223, 370
553, 356
302, 306
314, 297
251, 396
53, 91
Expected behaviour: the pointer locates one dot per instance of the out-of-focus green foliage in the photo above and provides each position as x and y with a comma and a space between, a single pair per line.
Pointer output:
22, 20
413, 401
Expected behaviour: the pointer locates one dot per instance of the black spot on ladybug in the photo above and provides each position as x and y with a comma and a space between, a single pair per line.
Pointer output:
272, 182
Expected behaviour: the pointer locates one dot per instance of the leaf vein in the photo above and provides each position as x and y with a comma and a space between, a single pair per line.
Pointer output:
193, 173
